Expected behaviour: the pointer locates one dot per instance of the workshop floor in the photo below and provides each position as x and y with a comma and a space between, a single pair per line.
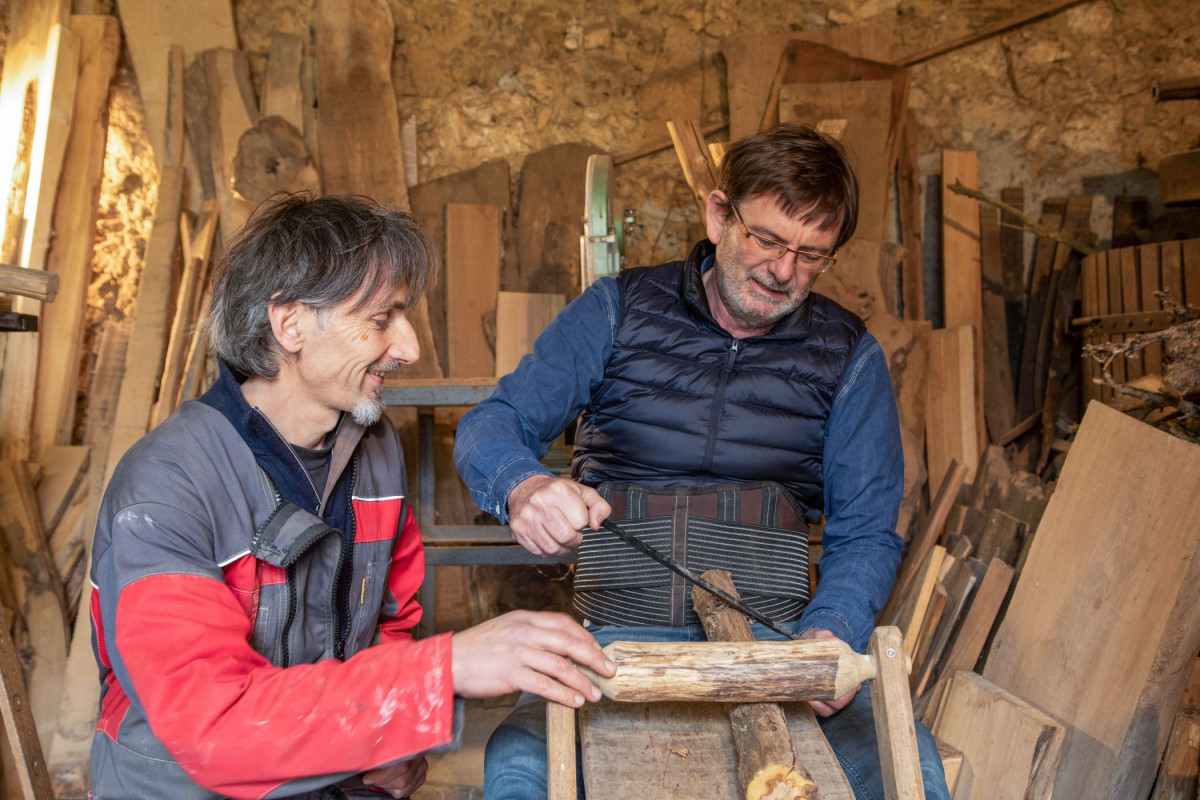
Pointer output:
459, 775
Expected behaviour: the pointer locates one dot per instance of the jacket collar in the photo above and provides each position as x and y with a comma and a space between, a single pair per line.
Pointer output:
270, 450
702, 258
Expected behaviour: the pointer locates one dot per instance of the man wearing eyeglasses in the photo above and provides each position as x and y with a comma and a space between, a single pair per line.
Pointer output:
723, 407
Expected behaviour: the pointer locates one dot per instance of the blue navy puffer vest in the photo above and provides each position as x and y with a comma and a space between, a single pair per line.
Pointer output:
684, 403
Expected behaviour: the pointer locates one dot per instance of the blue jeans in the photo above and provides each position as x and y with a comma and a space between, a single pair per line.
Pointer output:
514, 763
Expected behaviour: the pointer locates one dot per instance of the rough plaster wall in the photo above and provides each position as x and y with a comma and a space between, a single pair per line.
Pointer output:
1061, 105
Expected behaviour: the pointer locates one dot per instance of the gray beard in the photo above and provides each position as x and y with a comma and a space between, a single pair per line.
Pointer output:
368, 412
751, 319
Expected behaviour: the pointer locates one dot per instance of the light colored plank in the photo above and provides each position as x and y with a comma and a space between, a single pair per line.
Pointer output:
560, 752
962, 276
473, 252
892, 707
912, 611
951, 430
1012, 747
520, 319
151, 27
1115, 560
75, 213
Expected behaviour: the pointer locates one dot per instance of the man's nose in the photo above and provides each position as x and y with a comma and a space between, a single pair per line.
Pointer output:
404, 346
783, 269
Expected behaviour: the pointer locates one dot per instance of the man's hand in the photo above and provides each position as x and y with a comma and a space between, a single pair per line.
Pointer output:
546, 513
399, 780
529, 651
827, 708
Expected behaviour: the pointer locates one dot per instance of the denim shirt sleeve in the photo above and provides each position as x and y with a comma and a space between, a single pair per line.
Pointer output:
864, 481
500, 441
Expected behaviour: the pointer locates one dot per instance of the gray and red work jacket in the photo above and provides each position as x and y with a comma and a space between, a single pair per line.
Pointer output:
254, 639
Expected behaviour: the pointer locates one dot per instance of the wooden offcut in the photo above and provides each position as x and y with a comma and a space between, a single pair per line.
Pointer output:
1119, 543
231, 112
64, 467
1013, 747
1000, 407
560, 752
473, 253
767, 766
151, 27
699, 167
520, 318
951, 408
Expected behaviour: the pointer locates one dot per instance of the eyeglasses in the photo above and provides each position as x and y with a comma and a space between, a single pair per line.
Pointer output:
814, 262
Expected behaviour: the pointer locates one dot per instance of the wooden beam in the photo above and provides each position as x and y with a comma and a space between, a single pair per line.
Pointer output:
560, 752
894, 727
989, 31
231, 112
19, 725
1013, 748
699, 169
951, 428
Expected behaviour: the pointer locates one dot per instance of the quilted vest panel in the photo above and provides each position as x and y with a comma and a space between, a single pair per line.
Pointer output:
684, 403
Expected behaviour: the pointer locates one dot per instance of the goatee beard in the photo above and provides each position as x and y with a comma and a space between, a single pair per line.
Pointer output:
368, 412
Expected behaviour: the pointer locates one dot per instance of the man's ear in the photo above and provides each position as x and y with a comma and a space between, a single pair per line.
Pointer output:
286, 325
716, 215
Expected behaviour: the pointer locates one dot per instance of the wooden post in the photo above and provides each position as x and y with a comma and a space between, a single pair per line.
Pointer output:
767, 765
560, 752
894, 724
32, 775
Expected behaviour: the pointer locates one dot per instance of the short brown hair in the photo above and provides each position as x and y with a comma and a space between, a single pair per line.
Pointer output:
806, 171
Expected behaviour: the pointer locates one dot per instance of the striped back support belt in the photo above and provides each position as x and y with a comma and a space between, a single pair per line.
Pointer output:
753, 530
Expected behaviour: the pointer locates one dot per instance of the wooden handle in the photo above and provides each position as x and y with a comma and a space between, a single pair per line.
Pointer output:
733, 672
767, 766
560, 752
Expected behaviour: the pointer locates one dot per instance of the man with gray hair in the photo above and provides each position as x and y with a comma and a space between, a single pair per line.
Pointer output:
256, 559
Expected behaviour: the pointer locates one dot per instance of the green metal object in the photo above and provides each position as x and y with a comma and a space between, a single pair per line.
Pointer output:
602, 245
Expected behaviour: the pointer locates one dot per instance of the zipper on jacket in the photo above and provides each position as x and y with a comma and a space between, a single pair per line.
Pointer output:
718, 403
341, 594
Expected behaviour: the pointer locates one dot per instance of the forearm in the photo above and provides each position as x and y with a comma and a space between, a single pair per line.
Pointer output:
206, 693
500, 441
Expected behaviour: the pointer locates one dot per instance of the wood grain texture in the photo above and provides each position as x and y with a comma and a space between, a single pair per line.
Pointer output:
1013, 748
560, 752
894, 725
962, 274
473, 252
733, 672
75, 213
19, 725
151, 27
520, 319
682, 751
1118, 543
951, 428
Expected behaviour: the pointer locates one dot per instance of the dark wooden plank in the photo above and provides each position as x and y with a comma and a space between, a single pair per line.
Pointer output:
1131, 221
1028, 400
1000, 408
1150, 274
1131, 300
908, 182
548, 224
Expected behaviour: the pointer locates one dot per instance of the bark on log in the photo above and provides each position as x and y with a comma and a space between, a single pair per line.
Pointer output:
733, 672
767, 766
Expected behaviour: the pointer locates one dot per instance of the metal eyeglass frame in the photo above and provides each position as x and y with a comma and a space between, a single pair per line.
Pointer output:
764, 243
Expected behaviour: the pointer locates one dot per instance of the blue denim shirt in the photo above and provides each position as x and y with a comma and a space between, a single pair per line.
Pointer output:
500, 441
